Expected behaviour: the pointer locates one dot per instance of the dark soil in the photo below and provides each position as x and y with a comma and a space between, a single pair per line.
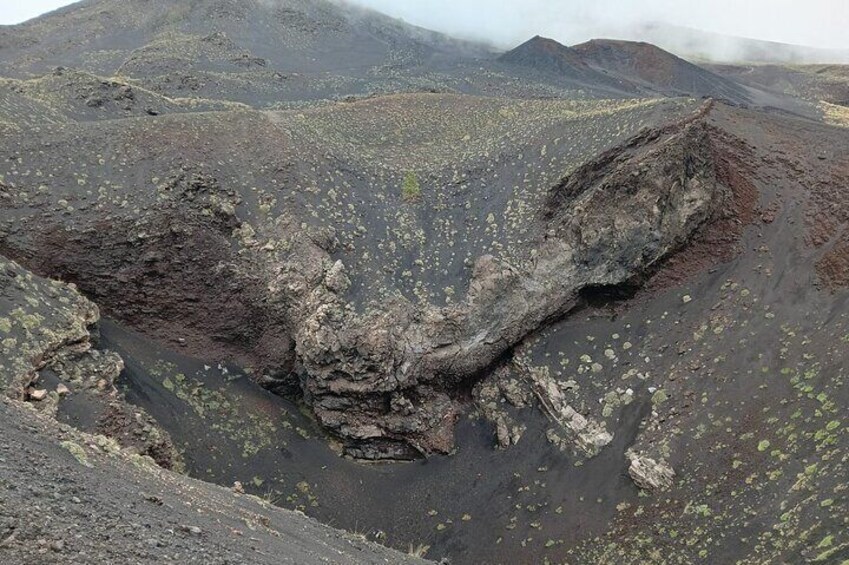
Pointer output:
63, 501
315, 231
393, 503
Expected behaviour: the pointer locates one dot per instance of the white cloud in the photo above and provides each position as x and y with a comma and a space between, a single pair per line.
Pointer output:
16, 11
820, 23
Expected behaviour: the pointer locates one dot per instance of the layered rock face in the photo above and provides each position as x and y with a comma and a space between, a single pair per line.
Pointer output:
386, 382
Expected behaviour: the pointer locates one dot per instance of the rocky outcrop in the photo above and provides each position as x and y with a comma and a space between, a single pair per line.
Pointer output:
39, 321
649, 474
588, 435
496, 397
387, 378
47, 356
172, 271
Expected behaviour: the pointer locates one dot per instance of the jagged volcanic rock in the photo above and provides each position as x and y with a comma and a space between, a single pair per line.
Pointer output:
607, 224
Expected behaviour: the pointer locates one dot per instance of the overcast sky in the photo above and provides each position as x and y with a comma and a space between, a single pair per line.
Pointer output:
819, 23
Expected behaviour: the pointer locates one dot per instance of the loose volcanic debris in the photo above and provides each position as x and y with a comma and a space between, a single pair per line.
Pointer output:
73, 497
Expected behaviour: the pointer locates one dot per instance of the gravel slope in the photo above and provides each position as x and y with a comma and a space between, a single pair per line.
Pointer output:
64, 499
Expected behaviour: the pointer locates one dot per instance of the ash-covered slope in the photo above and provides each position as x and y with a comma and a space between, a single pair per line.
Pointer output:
550, 57
258, 52
279, 253
297, 35
681, 388
817, 83
592, 299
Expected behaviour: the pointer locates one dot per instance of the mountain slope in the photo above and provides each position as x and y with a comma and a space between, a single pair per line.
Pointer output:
269, 53
648, 65
548, 56
292, 35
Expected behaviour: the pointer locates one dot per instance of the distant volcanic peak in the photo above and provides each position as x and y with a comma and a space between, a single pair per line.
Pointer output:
649, 65
613, 52
545, 54
627, 66
547, 45
602, 42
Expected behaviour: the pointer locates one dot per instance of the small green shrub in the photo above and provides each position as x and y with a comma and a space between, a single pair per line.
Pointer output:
78, 452
411, 189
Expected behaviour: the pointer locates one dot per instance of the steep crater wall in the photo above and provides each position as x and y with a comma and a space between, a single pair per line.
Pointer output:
393, 378
391, 381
